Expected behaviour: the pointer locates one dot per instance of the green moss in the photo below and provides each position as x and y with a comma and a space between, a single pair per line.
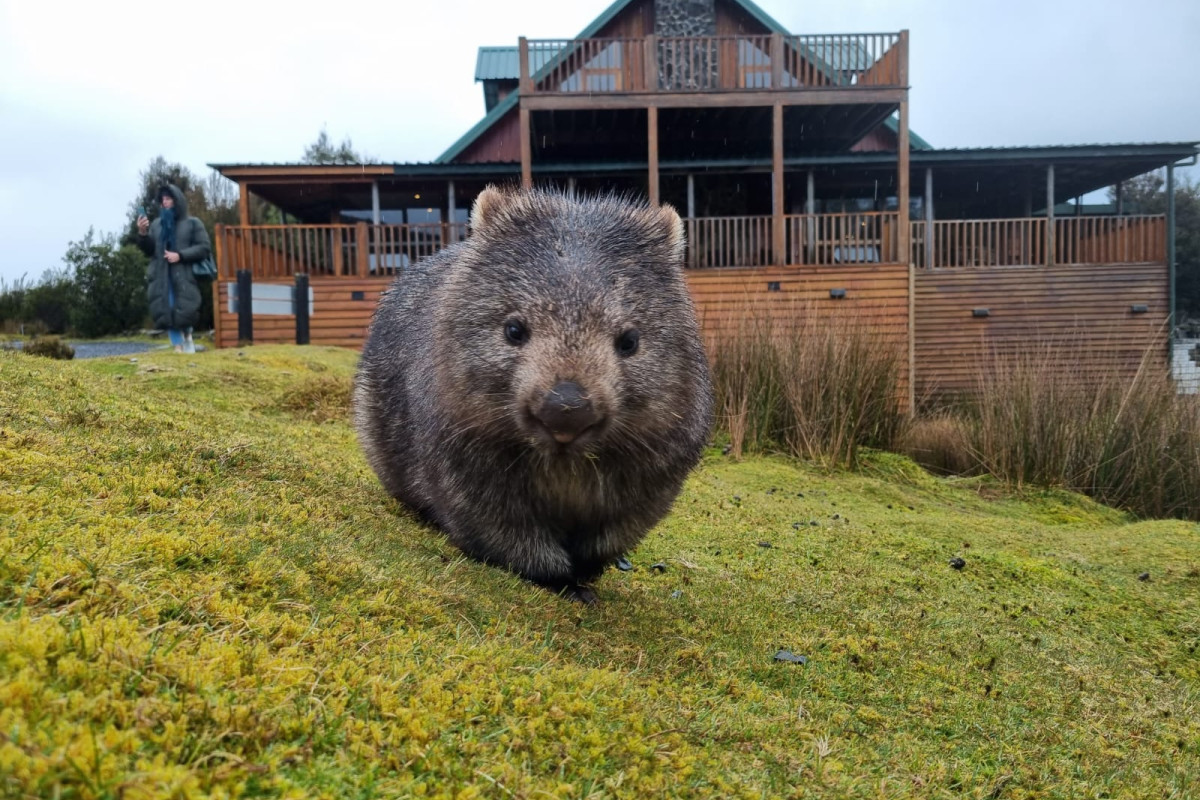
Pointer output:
203, 596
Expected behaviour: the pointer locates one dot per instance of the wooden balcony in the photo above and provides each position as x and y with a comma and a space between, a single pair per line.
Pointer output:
706, 64
278, 252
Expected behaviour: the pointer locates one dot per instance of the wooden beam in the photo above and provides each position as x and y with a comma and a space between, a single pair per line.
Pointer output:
526, 149
777, 233
652, 136
691, 191
1120, 198
451, 202
744, 98
243, 204
375, 212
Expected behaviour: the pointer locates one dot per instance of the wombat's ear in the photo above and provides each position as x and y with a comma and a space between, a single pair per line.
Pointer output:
489, 206
668, 217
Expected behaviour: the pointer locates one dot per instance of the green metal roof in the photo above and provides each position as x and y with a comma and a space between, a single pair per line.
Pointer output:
504, 63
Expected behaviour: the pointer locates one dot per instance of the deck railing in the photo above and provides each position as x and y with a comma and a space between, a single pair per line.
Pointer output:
362, 249
957, 244
712, 63
859, 238
729, 242
365, 250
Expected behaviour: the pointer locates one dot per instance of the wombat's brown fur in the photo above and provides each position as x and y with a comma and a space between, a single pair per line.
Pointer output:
540, 390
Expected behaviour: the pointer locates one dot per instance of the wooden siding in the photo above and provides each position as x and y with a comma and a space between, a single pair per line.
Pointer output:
1090, 305
732, 20
501, 142
635, 21
875, 295
337, 319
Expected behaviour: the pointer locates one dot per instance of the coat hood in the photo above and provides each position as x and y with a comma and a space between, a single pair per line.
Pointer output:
181, 204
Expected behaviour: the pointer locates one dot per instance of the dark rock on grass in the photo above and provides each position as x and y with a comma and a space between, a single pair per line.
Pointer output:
623, 564
796, 525
957, 563
659, 567
1145, 576
813, 523
790, 657
765, 544
836, 516
675, 595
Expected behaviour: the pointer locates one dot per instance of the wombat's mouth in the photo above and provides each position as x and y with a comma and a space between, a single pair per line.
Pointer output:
563, 441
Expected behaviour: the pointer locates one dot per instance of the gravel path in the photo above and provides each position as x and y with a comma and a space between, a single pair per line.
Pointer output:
103, 349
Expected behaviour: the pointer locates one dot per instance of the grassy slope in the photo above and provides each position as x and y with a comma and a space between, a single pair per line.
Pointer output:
203, 590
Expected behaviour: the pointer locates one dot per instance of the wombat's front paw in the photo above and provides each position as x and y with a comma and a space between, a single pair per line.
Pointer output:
580, 594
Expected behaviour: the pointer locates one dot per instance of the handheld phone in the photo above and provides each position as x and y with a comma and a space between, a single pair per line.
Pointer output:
141, 212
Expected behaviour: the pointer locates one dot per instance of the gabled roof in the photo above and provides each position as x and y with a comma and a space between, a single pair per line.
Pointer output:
503, 63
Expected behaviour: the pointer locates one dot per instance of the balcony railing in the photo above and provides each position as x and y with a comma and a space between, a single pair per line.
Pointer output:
959, 244
822, 240
362, 249
712, 63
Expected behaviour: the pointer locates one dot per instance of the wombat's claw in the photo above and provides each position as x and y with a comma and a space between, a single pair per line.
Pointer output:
580, 594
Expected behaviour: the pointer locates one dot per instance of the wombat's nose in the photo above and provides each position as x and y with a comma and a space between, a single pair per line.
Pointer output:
567, 412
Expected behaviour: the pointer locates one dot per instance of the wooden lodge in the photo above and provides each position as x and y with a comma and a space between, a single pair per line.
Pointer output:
791, 159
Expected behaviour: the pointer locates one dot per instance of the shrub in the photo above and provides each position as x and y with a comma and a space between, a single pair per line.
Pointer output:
1051, 416
49, 347
49, 302
111, 286
815, 386
940, 443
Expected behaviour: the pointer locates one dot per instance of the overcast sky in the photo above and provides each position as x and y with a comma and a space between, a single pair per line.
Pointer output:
91, 92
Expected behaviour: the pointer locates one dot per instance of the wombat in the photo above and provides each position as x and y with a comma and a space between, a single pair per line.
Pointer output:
540, 391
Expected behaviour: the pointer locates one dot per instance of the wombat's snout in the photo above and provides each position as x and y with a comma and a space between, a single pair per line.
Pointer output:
566, 411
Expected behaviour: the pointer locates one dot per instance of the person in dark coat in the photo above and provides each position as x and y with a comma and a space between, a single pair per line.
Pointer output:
174, 242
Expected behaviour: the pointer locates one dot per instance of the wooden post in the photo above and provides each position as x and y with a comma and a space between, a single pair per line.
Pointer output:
810, 224
1050, 215
778, 239
300, 307
691, 209
363, 243
525, 85
1171, 260
929, 218
451, 213
1120, 198
375, 212
905, 233
652, 131
526, 150
243, 204
650, 56
1079, 206
776, 61
571, 186
245, 307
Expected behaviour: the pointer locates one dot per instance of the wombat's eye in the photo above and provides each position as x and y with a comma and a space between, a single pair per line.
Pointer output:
516, 332
627, 342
